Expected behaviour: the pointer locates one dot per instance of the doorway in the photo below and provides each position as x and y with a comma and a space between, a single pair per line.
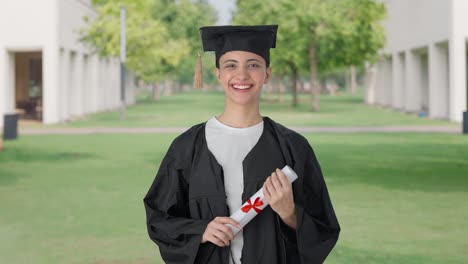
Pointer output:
28, 85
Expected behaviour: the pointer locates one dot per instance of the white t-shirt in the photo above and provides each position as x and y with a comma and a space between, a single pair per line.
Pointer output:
230, 146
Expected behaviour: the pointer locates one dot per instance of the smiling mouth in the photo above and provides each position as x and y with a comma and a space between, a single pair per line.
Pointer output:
241, 86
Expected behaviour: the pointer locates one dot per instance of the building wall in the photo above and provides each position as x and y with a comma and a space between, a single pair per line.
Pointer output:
75, 80
427, 40
25, 25
415, 23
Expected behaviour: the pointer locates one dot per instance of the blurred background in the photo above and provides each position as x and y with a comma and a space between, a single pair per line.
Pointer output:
379, 88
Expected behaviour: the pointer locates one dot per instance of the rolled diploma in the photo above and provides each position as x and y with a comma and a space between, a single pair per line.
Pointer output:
256, 204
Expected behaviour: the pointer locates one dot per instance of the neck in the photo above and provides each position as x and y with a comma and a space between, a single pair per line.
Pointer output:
240, 116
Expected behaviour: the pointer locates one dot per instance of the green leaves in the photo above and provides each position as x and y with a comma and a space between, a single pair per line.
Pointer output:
344, 32
161, 34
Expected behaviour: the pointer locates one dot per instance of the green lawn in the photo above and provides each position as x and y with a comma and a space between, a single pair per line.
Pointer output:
400, 198
188, 108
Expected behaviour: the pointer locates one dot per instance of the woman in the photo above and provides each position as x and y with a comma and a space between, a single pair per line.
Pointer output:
214, 167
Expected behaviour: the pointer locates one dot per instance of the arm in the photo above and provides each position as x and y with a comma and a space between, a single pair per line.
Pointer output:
167, 213
317, 225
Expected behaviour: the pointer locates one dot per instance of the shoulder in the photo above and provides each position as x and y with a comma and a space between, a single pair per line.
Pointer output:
189, 136
290, 136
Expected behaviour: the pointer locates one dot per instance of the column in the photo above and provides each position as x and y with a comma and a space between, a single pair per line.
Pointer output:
51, 82
94, 81
398, 80
457, 93
64, 106
438, 81
7, 83
413, 89
387, 82
370, 83
457, 60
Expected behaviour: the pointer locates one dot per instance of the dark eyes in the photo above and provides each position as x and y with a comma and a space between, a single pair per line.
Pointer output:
251, 65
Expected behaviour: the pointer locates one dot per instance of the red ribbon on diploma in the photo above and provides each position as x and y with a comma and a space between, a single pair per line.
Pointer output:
257, 203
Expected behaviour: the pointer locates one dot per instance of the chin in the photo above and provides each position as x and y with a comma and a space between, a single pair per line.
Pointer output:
245, 101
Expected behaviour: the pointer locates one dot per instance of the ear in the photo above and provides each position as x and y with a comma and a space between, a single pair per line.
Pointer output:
217, 72
268, 75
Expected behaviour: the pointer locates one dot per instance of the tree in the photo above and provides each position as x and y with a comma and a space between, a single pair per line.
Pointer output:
286, 58
183, 19
320, 35
341, 33
161, 35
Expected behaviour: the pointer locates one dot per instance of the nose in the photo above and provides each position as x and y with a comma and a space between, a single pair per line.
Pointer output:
243, 74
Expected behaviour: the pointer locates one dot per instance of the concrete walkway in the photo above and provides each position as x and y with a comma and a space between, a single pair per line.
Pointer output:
154, 130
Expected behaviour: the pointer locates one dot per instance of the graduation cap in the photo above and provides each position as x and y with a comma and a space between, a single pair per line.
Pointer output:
222, 39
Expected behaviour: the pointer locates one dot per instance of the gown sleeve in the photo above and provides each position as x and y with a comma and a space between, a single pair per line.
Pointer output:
317, 226
169, 225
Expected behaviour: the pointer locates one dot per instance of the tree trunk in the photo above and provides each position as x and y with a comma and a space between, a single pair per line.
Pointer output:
281, 91
315, 90
348, 81
353, 79
293, 83
156, 93
168, 87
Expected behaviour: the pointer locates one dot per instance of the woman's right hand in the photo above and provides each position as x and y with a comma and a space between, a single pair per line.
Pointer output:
218, 233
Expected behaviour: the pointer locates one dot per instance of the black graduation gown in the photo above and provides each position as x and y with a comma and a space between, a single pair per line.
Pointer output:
188, 192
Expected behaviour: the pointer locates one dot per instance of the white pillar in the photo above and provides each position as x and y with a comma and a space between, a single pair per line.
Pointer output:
388, 82
85, 84
72, 86
78, 85
7, 83
100, 90
457, 74
457, 60
413, 89
438, 81
51, 55
94, 82
64, 104
398, 80
371, 80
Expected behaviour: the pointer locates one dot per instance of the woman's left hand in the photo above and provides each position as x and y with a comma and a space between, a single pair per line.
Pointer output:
278, 193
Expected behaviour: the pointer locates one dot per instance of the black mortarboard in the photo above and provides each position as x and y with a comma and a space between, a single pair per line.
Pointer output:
255, 39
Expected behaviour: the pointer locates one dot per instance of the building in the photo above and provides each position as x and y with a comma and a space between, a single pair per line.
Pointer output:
423, 68
46, 73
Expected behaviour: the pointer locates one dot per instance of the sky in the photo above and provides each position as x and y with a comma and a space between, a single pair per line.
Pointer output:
224, 9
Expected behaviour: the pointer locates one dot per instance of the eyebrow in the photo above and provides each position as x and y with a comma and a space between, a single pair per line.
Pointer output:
235, 61
249, 60
230, 61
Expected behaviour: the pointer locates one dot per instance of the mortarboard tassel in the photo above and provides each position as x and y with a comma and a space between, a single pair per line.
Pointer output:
198, 78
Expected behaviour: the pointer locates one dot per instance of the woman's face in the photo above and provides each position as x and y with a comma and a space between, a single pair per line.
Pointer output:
242, 75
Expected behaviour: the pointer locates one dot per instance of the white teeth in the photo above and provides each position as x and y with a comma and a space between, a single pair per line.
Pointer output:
237, 86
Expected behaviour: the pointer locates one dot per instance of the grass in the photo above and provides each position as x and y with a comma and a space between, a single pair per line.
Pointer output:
400, 198
188, 108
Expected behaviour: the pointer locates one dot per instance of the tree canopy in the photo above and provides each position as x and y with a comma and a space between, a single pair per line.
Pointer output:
317, 36
162, 35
